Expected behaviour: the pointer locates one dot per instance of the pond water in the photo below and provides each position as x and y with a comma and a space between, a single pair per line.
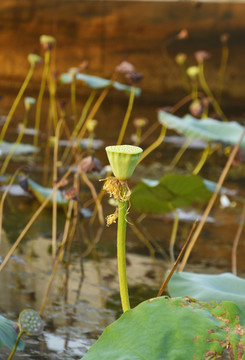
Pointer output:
84, 297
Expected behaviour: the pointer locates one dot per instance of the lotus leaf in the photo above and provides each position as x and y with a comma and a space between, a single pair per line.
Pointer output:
207, 129
171, 192
170, 329
206, 287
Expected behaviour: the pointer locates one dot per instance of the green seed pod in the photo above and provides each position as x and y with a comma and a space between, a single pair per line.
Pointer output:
47, 41
30, 322
123, 160
34, 59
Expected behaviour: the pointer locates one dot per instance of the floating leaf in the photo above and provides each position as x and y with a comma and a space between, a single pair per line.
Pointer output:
206, 129
170, 329
30, 322
96, 82
6, 148
206, 287
8, 334
41, 193
171, 192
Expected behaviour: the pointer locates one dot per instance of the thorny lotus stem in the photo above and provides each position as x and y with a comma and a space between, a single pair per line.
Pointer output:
121, 254
16, 102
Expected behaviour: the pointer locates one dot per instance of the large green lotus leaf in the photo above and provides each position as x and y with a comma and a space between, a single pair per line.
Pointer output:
171, 192
97, 82
41, 193
206, 129
6, 148
8, 335
206, 287
171, 329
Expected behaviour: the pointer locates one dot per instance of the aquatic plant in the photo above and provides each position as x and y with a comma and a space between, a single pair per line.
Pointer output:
29, 323
33, 61
123, 160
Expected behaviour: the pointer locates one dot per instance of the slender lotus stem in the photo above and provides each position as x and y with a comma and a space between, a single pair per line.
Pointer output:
208, 92
95, 197
52, 95
3, 199
55, 267
16, 344
173, 236
211, 202
40, 95
202, 160
223, 64
155, 144
179, 154
73, 99
121, 255
236, 241
84, 113
35, 216
16, 102
17, 142
166, 281
79, 124
93, 111
55, 176
127, 116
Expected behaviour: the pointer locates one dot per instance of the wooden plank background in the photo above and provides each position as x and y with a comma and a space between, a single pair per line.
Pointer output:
106, 32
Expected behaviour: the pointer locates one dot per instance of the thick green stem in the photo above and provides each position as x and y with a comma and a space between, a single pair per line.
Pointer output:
121, 254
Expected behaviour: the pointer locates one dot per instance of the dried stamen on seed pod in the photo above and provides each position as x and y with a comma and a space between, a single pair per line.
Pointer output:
117, 188
112, 218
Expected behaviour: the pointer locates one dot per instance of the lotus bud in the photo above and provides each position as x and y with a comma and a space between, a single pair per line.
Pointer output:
123, 160
201, 56
181, 59
192, 72
91, 125
34, 59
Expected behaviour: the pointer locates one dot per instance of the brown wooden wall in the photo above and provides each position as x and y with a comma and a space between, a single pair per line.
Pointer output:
106, 32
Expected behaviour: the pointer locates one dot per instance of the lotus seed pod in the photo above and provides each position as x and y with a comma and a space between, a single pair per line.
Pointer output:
47, 42
34, 59
123, 160
30, 322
